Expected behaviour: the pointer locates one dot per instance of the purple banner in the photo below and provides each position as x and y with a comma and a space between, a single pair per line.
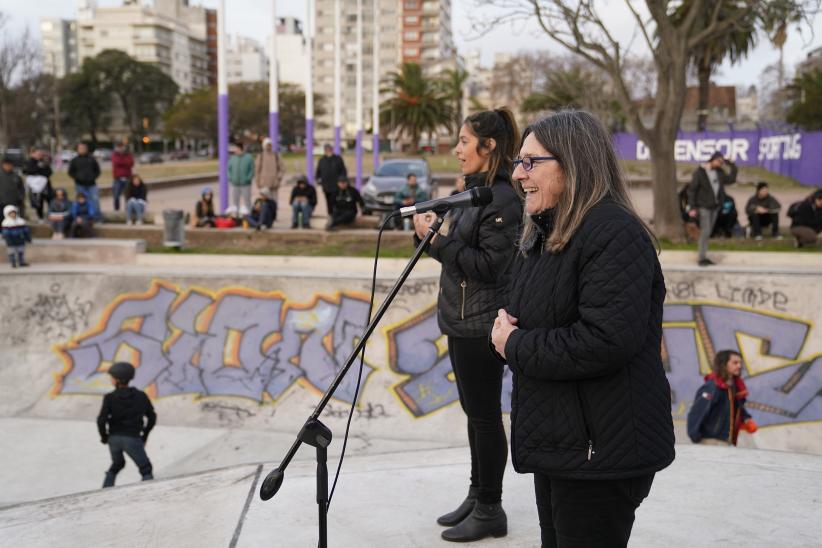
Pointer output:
793, 154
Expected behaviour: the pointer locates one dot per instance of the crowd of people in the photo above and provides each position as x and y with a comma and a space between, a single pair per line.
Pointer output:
705, 204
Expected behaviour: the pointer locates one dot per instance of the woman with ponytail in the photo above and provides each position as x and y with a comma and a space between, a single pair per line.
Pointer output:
476, 255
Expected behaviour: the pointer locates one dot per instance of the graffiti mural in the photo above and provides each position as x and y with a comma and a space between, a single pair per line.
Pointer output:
234, 342
256, 345
785, 386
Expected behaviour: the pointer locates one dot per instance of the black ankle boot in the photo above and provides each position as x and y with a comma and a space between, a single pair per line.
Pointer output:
453, 518
486, 520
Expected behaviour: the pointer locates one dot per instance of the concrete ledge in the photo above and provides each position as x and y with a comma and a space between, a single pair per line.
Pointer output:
86, 251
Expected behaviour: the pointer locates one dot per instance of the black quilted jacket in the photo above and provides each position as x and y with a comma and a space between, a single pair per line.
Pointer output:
590, 397
476, 257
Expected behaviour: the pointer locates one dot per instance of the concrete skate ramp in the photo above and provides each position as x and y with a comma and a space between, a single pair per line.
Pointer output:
250, 343
710, 496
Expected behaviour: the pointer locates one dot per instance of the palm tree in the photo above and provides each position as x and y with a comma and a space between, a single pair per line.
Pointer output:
453, 87
734, 43
776, 16
416, 104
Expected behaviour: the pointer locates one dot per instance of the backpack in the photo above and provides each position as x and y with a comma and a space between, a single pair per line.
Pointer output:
793, 209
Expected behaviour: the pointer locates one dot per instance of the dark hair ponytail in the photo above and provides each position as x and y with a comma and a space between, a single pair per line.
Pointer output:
499, 125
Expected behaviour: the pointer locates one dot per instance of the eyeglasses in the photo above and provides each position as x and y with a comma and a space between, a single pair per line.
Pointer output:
529, 162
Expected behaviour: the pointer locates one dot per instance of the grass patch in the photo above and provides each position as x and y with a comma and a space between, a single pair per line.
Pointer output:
146, 171
786, 245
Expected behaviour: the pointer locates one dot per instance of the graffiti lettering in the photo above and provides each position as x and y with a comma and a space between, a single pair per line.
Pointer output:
411, 288
366, 411
755, 297
51, 315
236, 342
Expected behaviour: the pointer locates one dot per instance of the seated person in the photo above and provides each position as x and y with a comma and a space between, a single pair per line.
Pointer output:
136, 200
204, 211
763, 210
408, 195
345, 204
726, 219
806, 221
303, 200
264, 211
59, 214
82, 216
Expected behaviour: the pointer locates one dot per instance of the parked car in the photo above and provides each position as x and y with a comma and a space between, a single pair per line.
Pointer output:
67, 155
15, 155
150, 158
378, 192
102, 154
181, 154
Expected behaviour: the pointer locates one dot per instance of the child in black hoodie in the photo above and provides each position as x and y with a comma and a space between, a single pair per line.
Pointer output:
120, 423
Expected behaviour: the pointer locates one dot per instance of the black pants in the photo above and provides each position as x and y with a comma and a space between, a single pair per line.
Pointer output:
330, 198
761, 220
135, 449
479, 383
588, 513
342, 217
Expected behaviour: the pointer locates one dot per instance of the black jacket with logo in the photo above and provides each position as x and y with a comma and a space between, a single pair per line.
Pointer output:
122, 414
590, 398
476, 256
84, 170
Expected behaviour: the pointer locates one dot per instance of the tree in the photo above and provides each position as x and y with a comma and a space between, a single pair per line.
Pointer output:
734, 44
776, 16
18, 61
143, 90
85, 101
416, 104
580, 28
30, 114
805, 101
453, 88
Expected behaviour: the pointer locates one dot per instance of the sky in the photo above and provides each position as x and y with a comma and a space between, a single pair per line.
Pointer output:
250, 18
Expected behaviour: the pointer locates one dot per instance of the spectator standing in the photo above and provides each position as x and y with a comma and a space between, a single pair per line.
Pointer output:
806, 221
16, 233
268, 169
718, 413
303, 200
408, 195
705, 194
85, 170
60, 214
122, 162
763, 210
121, 426
136, 200
12, 191
38, 172
346, 201
240, 175
204, 210
82, 217
264, 211
329, 170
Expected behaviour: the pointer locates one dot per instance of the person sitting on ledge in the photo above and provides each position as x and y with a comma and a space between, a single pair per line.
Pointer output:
807, 220
303, 201
264, 211
82, 217
204, 211
763, 210
345, 204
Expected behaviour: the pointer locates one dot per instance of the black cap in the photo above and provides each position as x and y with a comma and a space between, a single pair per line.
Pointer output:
8, 160
342, 178
760, 185
716, 155
122, 371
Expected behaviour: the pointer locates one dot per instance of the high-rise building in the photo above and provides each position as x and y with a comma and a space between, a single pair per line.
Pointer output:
389, 59
246, 61
211, 45
170, 34
58, 43
292, 55
427, 38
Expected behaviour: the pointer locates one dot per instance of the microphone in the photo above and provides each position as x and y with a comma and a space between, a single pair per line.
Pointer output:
477, 196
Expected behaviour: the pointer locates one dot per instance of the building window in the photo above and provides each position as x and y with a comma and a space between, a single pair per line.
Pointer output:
411, 52
411, 4
412, 20
411, 35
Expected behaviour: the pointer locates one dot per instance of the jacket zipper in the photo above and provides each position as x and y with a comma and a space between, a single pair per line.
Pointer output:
463, 285
585, 423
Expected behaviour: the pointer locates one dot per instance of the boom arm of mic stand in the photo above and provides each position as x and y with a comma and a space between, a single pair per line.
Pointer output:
274, 480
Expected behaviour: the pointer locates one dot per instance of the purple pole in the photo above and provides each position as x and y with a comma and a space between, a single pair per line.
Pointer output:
376, 146
337, 140
222, 148
359, 159
309, 149
274, 130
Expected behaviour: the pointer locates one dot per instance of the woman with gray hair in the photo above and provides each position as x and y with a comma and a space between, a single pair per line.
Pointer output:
582, 333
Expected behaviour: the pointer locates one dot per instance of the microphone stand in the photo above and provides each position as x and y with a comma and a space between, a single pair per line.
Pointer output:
314, 432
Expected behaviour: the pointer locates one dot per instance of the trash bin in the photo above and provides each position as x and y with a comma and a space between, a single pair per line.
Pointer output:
173, 228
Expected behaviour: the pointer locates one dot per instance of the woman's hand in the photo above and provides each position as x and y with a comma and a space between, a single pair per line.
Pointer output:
503, 326
422, 221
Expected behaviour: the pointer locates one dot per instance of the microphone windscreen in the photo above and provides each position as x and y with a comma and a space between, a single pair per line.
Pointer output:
481, 196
